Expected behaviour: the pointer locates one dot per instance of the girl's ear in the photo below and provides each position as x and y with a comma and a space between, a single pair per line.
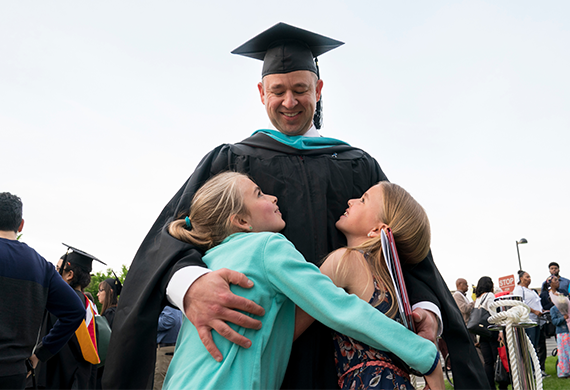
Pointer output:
239, 223
375, 232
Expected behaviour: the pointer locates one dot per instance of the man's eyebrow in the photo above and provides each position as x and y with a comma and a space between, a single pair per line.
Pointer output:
275, 86
281, 86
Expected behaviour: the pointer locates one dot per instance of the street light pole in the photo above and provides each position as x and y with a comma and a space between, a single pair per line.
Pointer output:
521, 241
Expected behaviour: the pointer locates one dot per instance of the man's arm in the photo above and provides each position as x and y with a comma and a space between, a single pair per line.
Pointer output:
207, 301
64, 303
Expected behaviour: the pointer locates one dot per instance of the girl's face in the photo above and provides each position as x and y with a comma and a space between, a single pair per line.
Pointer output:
525, 279
263, 213
101, 293
361, 216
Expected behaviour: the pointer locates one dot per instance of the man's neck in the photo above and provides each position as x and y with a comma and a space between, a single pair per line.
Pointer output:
9, 235
311, 132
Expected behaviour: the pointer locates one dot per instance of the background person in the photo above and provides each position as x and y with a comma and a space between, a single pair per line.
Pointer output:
109, 291
464, 304
554, 270
489, 345
559, 316
169, 324
29, 285
531, 298
75, 366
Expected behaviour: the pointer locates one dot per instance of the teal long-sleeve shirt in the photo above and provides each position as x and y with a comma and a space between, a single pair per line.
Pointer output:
282, 278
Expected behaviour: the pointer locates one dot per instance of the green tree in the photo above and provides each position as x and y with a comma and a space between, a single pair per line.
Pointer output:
98, 277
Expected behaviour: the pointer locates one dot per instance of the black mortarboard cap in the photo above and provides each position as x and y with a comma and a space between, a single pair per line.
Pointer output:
115, 284
80, 258
284, 49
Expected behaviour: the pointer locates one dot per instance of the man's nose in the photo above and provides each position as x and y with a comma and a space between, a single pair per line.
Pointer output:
289, 100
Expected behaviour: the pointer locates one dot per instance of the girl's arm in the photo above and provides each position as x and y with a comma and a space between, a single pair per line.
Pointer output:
348, 281
302, 322
302, 282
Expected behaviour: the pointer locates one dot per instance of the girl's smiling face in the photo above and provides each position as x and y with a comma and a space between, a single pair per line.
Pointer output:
262, 212
361, 219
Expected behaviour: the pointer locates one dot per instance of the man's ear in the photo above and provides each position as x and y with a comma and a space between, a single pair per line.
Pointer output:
239, 223
68, 277
319, 89
261, 92
375, 232
21, 226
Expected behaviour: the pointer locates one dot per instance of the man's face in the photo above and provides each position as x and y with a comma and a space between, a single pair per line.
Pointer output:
463, 287
554, 270
290, 100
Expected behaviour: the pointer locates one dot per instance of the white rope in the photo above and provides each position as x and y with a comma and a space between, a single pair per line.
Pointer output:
518, 313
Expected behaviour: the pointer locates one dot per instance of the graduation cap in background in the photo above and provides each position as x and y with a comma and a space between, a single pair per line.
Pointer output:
115, 284
284, 49
78, 257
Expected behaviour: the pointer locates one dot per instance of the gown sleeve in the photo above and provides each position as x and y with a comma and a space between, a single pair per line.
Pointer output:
158, 258
314, 292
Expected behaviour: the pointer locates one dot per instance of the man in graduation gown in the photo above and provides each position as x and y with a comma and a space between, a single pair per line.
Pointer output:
313, 178
75, 365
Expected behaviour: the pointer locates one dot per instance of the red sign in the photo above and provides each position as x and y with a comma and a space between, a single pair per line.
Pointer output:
507, 283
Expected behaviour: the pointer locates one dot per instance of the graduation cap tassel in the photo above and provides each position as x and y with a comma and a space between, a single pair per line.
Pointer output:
318, 117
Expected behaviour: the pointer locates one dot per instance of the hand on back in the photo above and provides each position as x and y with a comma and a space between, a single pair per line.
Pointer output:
209, 304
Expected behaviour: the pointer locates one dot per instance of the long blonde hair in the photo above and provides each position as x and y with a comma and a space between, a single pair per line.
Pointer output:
410, 226
210, 214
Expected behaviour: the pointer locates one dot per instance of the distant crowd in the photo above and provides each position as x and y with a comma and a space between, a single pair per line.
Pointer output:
548, 309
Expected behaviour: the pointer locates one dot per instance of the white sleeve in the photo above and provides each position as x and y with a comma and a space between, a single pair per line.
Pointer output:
430, 306
181, 282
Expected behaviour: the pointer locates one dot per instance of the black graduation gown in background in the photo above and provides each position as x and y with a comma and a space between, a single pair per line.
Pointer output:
67, 369
313, 187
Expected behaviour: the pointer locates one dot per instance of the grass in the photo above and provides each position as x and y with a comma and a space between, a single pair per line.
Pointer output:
550, 383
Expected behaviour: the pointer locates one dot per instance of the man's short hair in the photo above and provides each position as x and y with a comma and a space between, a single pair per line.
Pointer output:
553, 263
10, 212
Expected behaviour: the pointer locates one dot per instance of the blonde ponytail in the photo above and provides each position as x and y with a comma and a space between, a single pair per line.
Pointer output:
212, 207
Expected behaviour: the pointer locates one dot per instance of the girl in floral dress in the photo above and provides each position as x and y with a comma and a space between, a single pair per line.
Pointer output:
361, 270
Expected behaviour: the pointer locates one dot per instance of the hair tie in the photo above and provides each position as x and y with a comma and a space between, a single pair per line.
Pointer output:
188, 223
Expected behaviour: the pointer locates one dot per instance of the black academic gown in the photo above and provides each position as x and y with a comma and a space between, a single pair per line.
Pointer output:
67, 369
313, 187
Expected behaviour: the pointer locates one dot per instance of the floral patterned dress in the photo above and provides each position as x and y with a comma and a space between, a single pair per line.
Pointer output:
362, 367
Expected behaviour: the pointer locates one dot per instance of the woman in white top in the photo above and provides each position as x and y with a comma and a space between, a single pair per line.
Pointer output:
489, 345
531, 298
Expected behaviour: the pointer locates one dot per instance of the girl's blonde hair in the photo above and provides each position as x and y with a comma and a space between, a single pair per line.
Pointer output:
212, 207
410, 226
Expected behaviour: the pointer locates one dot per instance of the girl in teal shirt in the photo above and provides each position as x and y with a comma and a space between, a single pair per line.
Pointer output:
237, 224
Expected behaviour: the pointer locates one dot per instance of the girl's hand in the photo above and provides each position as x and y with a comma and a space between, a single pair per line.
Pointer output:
435, 379
565, 316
